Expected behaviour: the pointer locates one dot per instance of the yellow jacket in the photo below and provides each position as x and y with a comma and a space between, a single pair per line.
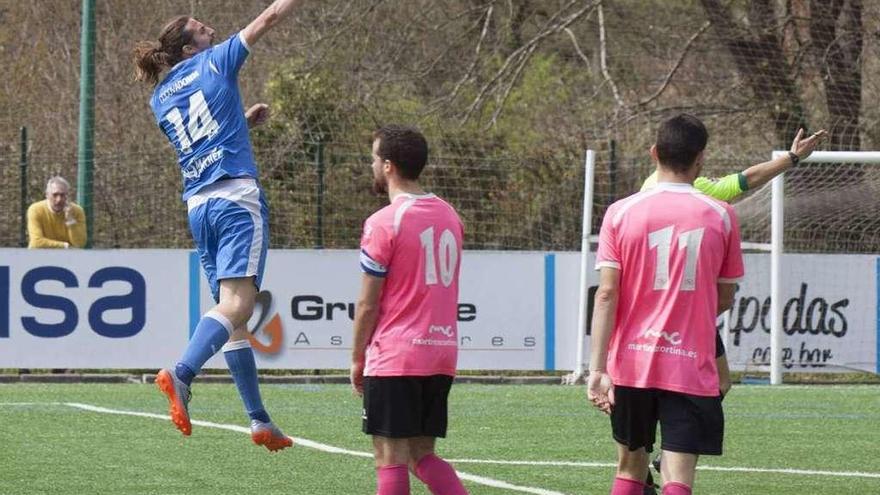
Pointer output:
47, 229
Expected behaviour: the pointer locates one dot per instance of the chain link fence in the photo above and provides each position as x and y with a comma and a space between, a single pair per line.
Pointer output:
509, 95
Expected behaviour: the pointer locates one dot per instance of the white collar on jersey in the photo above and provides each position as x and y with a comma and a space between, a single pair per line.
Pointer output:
675, 187
415, 196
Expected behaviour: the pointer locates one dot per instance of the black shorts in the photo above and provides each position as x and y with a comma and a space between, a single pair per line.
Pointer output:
689, 424
406, 406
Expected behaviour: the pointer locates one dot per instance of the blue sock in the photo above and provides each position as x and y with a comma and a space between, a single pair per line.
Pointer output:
185, 373
240, 358
211, 333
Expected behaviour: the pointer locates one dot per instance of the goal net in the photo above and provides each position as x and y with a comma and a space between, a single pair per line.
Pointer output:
810, 240
815, 228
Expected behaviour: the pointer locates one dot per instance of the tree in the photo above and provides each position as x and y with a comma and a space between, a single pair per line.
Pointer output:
772, 63
757, 51
836, 34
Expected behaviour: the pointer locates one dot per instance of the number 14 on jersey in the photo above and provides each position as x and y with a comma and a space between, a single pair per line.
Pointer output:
201, 123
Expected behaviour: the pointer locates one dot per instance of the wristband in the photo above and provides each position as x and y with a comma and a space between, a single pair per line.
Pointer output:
794, 158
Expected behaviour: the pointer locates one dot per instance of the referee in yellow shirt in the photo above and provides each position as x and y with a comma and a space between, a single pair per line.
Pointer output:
733, 186
56, 222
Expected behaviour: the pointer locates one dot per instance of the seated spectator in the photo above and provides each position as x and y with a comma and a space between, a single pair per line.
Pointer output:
56, 222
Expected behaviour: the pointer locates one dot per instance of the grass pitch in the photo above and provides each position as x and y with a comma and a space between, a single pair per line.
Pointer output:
508, 438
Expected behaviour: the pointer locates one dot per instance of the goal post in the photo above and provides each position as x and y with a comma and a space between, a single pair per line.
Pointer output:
583, 285
810, 197
777, 248
777, 231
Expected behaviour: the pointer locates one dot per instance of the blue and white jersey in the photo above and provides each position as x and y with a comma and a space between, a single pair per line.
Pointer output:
198, 106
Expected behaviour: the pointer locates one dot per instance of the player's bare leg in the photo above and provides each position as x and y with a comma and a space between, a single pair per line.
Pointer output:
437, 474
678, 471
237, 299
419, 447
632, 469
392, 457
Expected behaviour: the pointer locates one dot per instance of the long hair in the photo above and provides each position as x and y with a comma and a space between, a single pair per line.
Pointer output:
152, 57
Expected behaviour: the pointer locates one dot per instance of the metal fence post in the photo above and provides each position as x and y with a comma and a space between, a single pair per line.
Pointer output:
319, 224
23, 189
612, 168
86, 152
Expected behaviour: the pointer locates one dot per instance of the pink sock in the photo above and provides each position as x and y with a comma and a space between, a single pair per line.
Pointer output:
626, 486
392, 480
439, 476
676, 488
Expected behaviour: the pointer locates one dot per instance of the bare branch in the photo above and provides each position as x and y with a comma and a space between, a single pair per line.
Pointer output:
470, 70
523, 53
603, 59
516, 76
577, 49
701, 109
677, 64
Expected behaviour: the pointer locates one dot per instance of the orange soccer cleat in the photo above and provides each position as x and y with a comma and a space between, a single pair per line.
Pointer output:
178, 399
269, 436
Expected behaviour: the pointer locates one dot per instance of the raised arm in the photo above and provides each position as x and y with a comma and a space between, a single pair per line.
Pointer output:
762, 173
274, 14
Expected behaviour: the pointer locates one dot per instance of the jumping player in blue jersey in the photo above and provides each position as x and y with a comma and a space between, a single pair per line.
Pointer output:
198, 106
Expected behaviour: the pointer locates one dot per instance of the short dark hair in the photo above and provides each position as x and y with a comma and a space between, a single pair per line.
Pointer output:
679, 141
405, 147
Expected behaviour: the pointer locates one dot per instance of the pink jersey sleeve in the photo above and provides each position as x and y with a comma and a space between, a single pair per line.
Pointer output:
608, 254
732, 268
376, 247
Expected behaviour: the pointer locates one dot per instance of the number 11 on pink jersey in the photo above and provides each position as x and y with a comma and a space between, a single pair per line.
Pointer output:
662, 240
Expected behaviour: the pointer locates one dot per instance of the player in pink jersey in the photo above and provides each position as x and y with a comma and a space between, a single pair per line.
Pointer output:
728, 189
669, 259
405, 326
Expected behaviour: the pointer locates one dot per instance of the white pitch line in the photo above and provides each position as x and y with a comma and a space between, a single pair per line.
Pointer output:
310, 444
806, 472
502, 484
476, 479
805, 386
536, 463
